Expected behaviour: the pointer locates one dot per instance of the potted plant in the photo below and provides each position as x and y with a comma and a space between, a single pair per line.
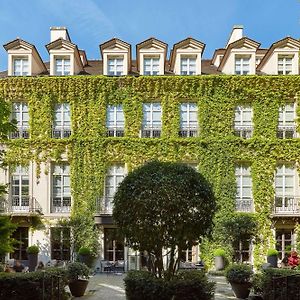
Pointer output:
32, 252
78, 275
272, 257
239, 276
219, 255
85, 256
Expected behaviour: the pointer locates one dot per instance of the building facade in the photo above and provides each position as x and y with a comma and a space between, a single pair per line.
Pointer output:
78, 136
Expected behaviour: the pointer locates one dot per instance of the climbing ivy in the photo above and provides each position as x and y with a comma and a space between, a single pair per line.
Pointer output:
216, 150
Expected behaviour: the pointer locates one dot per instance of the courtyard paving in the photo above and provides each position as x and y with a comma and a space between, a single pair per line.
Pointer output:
111, 287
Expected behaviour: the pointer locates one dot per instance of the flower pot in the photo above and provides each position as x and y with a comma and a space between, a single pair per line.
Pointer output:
272, 260
78, 287
32, 261
241, 290
219, 263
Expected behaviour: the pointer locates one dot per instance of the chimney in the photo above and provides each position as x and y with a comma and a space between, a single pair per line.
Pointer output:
236, 34
59, 32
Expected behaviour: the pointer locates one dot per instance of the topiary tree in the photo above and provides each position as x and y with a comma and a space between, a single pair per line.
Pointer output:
161, 207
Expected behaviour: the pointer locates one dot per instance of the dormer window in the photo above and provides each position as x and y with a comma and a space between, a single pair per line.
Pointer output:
20, 66
188, 65
62, 66
151, 66
115, 66
285, 63
242, 65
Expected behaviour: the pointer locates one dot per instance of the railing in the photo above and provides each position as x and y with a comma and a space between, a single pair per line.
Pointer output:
243, 131
61, 205
61, 132
188, 132
104, 206
115, 132
24, 204
151, 132
286, 206
21, 132
244, 205
286, 132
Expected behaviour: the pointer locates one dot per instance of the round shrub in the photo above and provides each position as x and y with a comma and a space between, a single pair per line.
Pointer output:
272, 252
220, 252
238, 273
33, 249
84, 251
77, 270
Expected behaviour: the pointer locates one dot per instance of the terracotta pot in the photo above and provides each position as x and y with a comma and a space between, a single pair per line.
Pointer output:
78, 287
219, 263
241, 290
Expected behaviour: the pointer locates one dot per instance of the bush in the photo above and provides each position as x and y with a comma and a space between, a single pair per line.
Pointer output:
33, 249
84, 251
238, 273
77, 270
272, 252
29, 286
186, 285
220, 252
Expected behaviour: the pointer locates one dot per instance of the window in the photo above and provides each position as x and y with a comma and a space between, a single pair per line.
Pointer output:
285, 239
286, 122
113, 178
62, 121
113, 245
151, 120
21, 236
188, 120
21, 115
20, 66
243, 121
285, 183
188, 66
242, 65
187, 254
285, 64
115, 120
243, 198
242, 249
62, 66
20, 189
60, 243
115, 66
61, 190
151, 66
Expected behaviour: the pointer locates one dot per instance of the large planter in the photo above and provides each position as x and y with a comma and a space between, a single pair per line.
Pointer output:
219, 263
241, 290
78, 287
272, 260
32, 261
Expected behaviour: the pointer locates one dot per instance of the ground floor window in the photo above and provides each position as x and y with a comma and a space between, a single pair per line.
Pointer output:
60, 243
284, 241
242, 250
187, 254
21, 236
113, 245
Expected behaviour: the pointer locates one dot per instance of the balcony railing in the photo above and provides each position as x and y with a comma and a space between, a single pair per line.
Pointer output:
286, 206
286, 132
244, 205
20, 133
115, 132
61, 205
104, 205
61, 132
151, 132
22, 205
243, 131
189, 132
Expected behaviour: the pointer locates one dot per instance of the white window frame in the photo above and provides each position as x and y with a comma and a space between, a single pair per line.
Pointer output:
191, 62
65, 65
242, 127
243, 203
20, 201
20, 109
113, 171
244, 62
154, 61
64, 129
287, 128
115, 127
148, 128
191, 128
24, 64
285, 64
115, 65
62, 198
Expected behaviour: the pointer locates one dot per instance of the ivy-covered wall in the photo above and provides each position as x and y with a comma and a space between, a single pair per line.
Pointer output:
216, 149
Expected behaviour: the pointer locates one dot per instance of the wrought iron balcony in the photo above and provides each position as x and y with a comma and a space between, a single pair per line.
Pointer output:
104, 206
151, 132
243, 131
286, 206
20, 133
20, 205
115, 132
61, 132
61, 205
189, 132
286, 132
244, 205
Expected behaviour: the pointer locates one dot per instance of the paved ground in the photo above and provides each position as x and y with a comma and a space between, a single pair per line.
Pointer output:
111, 287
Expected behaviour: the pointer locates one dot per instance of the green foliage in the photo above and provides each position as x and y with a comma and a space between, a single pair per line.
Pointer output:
272, 252
239, 273
6, 230
77, 270
84, 251
33, 249
220, 252
34, 285
163, 205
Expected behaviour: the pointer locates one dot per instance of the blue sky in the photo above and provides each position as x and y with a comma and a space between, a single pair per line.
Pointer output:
91, 22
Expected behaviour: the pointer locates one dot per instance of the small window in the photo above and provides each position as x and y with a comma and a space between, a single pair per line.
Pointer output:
188, 120
286, 121
188, 65
115, 120
151, 66
242, 65
20, 66
243, 121
62, 66
60, 243
151, 126
115, 66
20, 247
62, 121
20, 113
285, 63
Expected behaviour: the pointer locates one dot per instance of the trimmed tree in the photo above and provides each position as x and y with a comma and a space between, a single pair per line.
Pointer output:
163, 208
